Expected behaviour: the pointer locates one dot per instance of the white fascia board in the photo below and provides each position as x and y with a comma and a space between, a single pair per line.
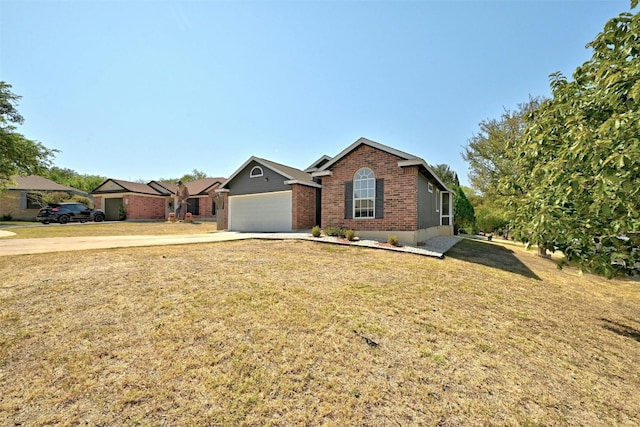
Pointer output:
321, 173
313, 167
222, 190
370, 143
240, 169
310, 184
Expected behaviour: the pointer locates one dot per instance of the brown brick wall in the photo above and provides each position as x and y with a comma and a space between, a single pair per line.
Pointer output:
139, 206
144, 207
304, 207
206, 204
223, 213
400, 191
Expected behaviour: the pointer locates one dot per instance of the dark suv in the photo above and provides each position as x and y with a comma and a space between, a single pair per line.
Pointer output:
65, 212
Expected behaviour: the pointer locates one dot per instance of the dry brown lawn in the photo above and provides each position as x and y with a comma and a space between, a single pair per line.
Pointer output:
278, 333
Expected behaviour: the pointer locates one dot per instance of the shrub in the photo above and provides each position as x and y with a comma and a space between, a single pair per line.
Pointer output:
335, 231
6, 217
350, 235
392, 240
315, 231
82, 199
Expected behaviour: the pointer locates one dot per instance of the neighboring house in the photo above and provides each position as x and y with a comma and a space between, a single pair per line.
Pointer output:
371, 188
155, 200
266, 196
17, 203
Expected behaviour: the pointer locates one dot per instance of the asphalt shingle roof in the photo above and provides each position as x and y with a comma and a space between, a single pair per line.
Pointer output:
39, 183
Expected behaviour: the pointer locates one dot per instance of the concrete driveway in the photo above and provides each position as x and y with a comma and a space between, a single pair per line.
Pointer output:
435, 247
60, 244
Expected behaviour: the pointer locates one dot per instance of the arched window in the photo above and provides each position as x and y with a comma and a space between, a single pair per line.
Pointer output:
364, 194
255, 172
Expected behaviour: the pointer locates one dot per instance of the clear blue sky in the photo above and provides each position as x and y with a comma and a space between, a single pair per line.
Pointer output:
154, 89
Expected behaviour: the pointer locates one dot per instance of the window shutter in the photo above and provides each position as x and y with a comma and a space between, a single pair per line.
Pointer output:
379, 198
348, 200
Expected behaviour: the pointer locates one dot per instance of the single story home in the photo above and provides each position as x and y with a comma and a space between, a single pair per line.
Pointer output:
17, 203
266, 196
369, 187
155, 200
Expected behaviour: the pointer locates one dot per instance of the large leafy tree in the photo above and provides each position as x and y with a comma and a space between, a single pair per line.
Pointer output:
18, 155
488, 153
71, 178
189, 177
491, 158
575, 182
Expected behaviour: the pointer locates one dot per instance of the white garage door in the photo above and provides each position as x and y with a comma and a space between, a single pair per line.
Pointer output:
260, 212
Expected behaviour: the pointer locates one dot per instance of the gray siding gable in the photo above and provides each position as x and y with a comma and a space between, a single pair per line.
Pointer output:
427, 202
269, 182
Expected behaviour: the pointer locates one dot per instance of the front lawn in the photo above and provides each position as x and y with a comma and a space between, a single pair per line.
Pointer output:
285, 333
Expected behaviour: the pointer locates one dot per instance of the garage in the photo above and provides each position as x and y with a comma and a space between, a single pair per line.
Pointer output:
268, 212
112, 208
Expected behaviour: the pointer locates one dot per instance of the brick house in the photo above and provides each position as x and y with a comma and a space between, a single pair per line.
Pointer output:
379, 191
371, 188
17, 204
155, 200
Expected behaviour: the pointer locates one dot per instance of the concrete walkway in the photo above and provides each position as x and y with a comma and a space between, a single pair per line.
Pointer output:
435, 247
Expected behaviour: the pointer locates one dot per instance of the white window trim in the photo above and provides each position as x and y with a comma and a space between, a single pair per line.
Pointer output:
430, 187
256, 175
450, 215
373, 199
438, 200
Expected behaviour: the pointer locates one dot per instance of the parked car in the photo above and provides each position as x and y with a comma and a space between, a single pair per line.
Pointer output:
65, 212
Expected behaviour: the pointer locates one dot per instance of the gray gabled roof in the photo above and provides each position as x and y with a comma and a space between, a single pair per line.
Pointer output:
407, 159
317, 164
120, 186
156, 188
293, 175
362, 140
39, 183
197, 187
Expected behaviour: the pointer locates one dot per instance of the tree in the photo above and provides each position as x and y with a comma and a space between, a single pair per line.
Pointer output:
43, 198
189, 177
574, 184
488, 152
71, 178
18, 155
464, 214
194, 176
446, 175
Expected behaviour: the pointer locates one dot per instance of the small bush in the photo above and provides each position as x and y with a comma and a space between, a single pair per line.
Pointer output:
335, 231
82, 199
350, 235
315, 231
393, 240
6, 217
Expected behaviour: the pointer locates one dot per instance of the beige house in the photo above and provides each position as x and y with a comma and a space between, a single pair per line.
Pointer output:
16, 203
